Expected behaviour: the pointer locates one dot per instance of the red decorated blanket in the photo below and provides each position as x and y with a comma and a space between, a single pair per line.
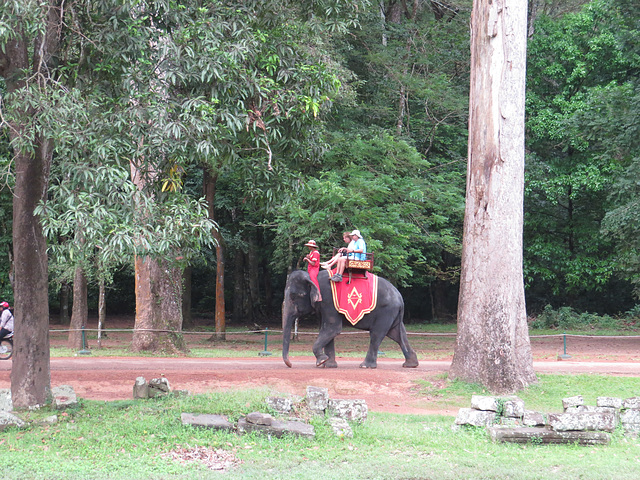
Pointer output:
357, 298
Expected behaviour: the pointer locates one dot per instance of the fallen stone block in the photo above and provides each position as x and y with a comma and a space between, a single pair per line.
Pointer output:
589, 421
572, 402
630, 416
476, 418
533, 419
510, 406
280, 404
258, 418
215, 422
158, 387
317, 399
341, 427
352, 410
546, 436
140, 389
8, 419
64, 396
6, 405
277, 428
633, 402
612, 402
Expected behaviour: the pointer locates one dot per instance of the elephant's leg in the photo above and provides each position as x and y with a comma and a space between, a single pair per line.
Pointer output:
371, 360
399, 335
330, 351
324, 348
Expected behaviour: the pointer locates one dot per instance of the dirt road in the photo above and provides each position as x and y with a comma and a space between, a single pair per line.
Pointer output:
388, 388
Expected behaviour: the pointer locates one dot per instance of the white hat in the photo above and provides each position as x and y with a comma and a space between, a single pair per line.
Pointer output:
311, 243
357, 233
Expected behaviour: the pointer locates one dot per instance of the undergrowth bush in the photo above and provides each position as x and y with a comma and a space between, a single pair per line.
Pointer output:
566, 318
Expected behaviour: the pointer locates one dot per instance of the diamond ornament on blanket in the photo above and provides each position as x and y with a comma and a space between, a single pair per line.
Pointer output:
355, 298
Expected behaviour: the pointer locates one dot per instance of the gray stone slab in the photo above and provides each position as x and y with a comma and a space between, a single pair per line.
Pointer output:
546, 436
317, 399
6, 405
278, 428
8, 419
258, 418
588, 421
633, 402
280, 404
215, 422
507, 406
64, 396
159, 387
572, 401
613, 402
140, 389
476, 418
340, 427
533, 419
351, 410
630, 416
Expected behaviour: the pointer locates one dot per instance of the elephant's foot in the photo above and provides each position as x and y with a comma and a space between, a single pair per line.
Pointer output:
321, 360
368, 365
331, 364
411, 363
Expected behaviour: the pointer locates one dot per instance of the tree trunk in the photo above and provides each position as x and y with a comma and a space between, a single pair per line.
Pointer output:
187, 319
158, 289
158, 307
64, 304
220, 313
492, 346
102, 309
80, 310
30, 370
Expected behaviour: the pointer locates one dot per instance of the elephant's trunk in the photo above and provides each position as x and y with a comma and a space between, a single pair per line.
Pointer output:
288, 317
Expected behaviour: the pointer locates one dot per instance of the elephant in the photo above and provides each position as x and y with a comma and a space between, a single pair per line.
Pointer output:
301, 298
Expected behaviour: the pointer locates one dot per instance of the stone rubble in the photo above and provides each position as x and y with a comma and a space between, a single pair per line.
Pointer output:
317, 402
63, 397
507, 420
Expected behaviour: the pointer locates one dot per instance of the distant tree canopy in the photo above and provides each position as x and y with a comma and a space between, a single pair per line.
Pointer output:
318, 117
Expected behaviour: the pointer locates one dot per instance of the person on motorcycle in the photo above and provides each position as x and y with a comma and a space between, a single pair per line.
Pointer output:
6, 320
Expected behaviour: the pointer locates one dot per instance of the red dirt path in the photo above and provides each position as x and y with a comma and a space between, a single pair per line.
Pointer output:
389, 388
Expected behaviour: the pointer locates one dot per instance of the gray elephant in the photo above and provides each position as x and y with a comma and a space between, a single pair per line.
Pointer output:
301, 298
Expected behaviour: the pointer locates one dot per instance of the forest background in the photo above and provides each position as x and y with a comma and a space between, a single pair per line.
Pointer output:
303, 121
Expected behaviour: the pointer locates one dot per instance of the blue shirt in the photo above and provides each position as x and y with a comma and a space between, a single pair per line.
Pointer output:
358, 245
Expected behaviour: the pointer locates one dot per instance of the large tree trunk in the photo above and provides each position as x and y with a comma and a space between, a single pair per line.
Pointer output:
158, 307
158, 287
80, 310
492, 346
30, 371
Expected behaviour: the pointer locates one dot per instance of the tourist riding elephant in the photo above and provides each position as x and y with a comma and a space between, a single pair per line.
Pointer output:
301, 298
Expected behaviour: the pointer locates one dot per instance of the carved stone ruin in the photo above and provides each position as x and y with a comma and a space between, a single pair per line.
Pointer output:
507, 420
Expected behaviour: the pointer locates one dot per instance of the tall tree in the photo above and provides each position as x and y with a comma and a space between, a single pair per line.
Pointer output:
492, 346
30, 42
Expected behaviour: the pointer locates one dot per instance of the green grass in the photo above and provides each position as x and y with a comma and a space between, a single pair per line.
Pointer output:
127, 440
